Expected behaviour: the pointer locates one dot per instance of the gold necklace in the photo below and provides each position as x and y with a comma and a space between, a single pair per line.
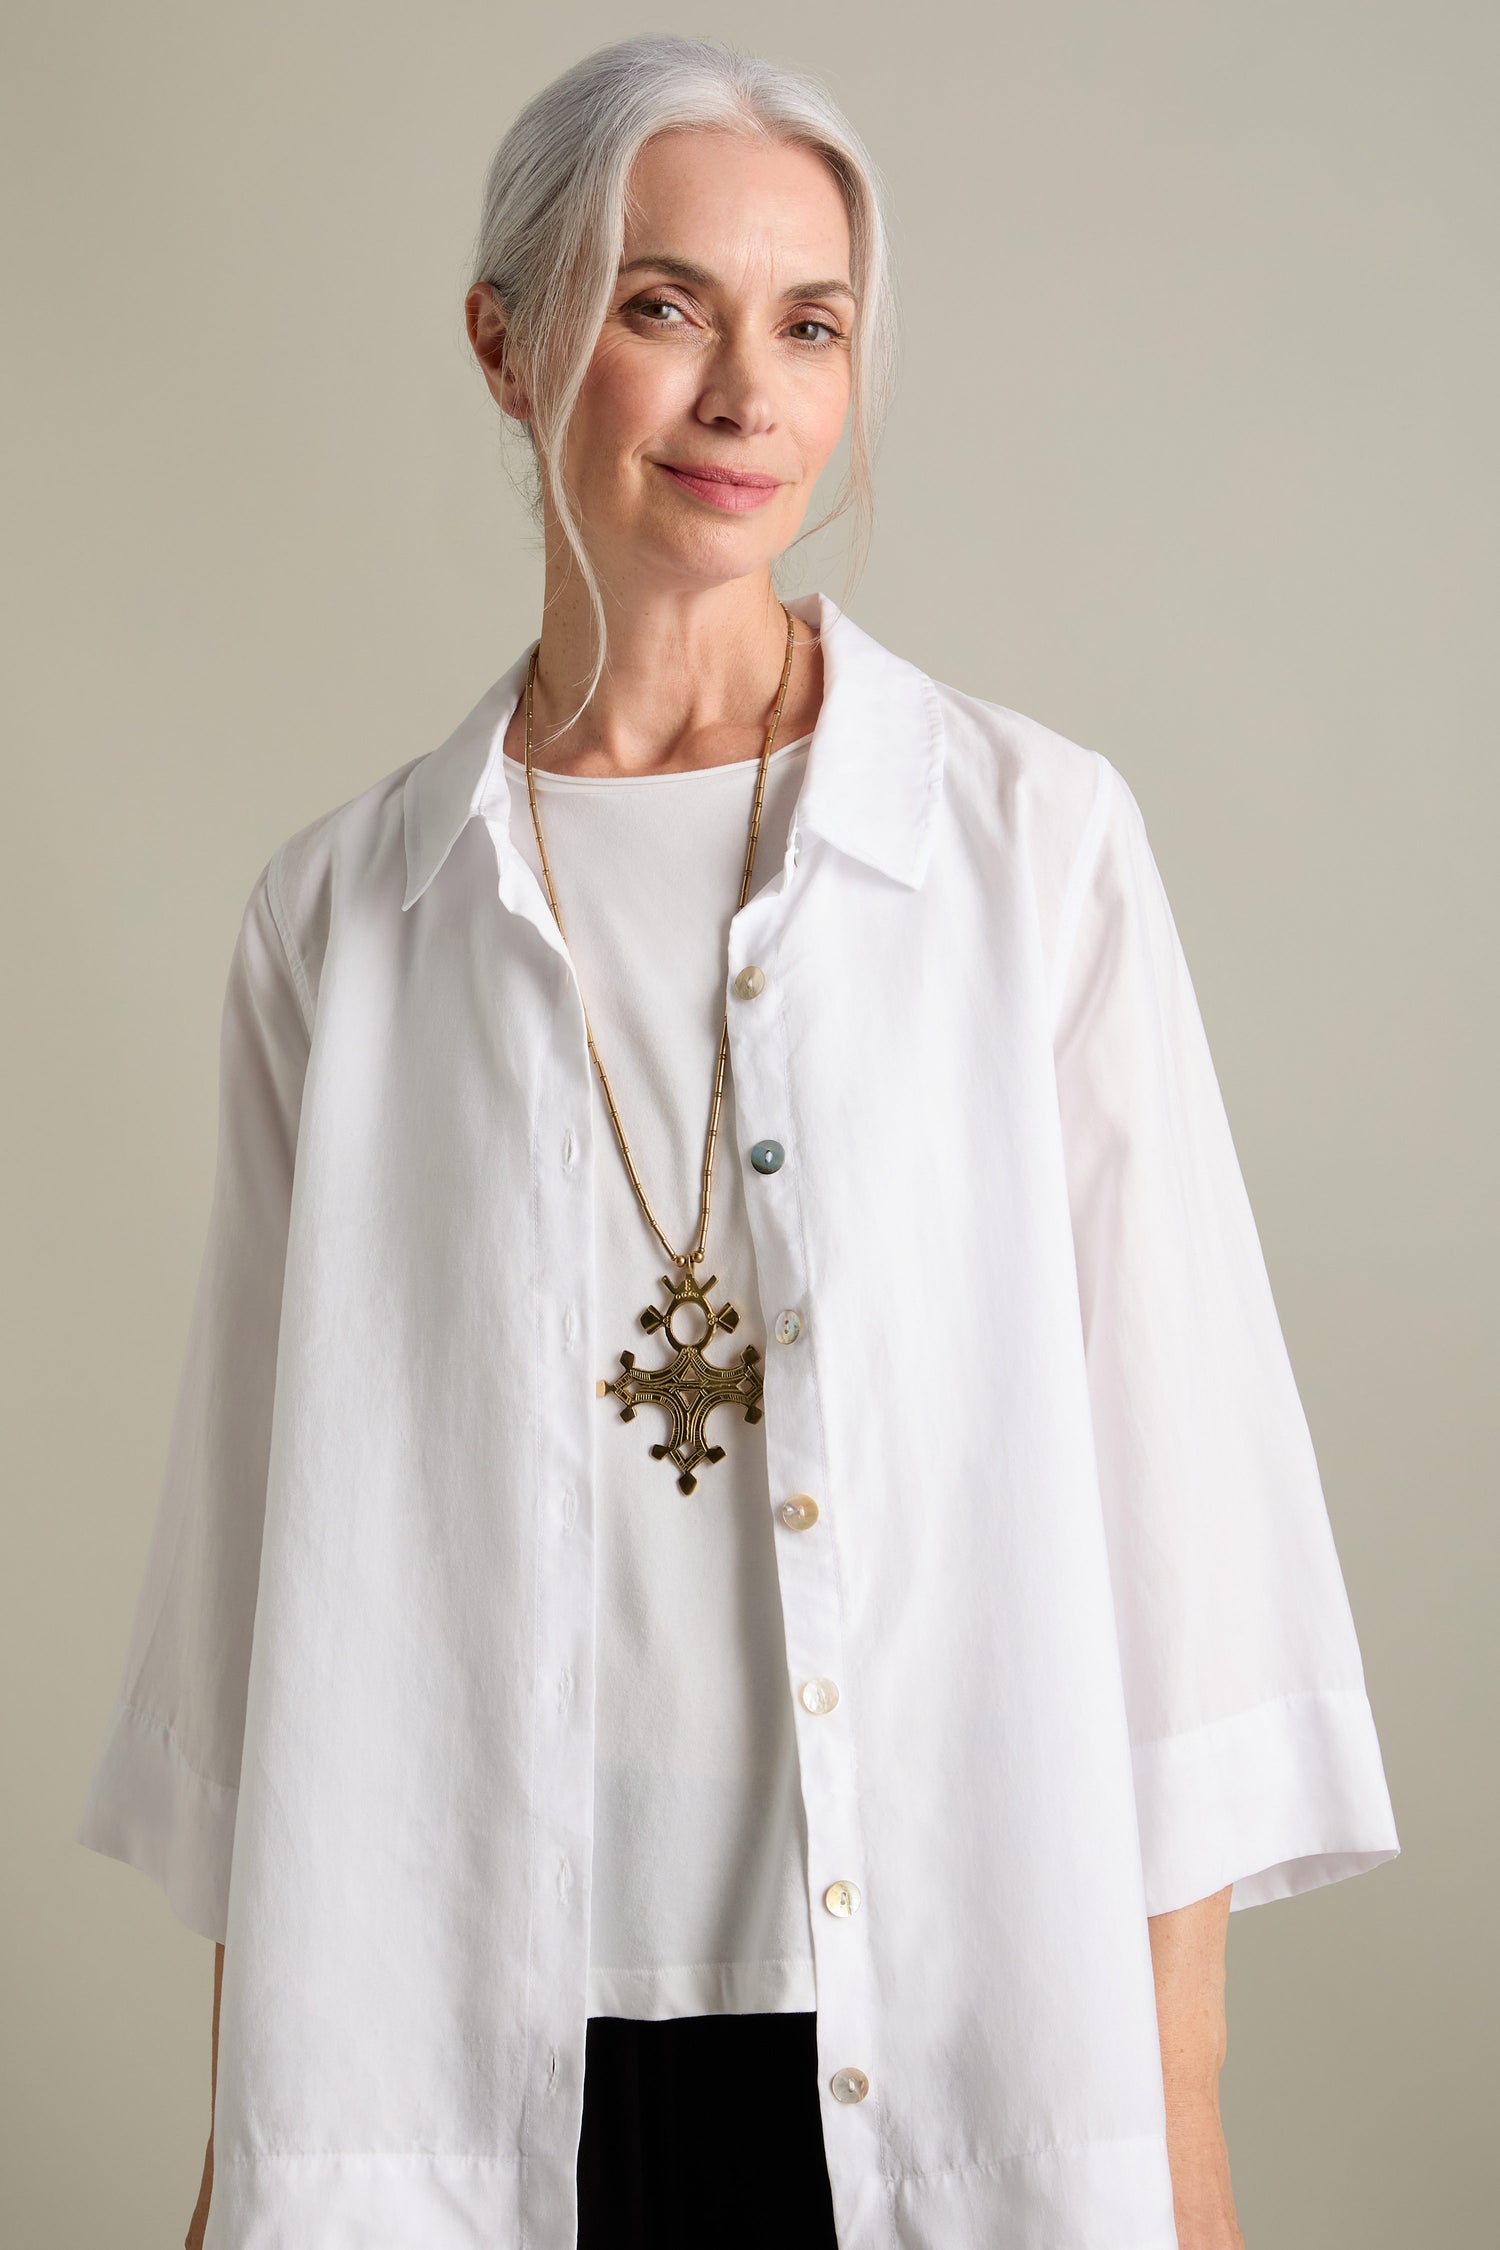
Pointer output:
689, 1386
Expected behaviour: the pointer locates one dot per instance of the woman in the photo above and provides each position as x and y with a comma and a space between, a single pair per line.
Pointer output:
739, 1673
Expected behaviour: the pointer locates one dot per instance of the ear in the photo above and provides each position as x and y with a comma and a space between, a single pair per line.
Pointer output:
489, 334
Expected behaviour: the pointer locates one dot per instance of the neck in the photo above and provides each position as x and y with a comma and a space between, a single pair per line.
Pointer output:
691, 679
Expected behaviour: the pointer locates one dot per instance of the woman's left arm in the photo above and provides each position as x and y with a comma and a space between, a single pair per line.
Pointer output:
1187, 1960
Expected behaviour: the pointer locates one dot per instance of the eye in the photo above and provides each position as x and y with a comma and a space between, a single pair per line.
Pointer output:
831, 334
648, 306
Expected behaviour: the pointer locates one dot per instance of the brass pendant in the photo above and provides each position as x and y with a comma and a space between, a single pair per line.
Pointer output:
688, 1386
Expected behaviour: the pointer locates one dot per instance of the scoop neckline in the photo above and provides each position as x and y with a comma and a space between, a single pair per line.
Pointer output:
546, 779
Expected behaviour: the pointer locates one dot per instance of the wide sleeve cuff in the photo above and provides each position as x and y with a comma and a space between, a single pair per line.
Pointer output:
1274, 1801
147, 1806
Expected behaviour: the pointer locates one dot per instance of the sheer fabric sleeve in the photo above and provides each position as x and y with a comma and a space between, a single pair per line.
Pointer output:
163, 1790
1255, 1754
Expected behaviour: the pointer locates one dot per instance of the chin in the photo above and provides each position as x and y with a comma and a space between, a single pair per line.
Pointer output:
710, 555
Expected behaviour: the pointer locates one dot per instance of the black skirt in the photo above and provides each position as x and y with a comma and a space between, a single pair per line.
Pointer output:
703, 2129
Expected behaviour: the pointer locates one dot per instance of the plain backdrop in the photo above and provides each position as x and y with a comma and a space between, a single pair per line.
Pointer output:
1193, 457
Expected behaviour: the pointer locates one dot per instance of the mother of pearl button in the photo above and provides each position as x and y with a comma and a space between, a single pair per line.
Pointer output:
798, 1512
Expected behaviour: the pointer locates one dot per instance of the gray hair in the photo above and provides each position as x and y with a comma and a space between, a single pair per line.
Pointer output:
553, 230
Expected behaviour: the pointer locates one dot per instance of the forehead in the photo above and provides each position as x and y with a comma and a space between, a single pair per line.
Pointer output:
727, 200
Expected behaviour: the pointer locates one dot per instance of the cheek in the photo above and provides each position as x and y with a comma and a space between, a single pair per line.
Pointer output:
819, 418
626, 399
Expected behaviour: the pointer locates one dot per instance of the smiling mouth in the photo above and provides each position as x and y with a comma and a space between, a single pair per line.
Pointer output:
735, 491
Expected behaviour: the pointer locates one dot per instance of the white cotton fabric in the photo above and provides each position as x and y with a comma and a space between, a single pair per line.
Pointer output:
1072, 1577
698, 1903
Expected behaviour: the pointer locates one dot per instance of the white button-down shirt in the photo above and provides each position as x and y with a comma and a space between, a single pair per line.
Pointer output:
1067, 1642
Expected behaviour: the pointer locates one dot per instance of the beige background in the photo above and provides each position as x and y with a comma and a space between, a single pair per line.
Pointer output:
1194, 458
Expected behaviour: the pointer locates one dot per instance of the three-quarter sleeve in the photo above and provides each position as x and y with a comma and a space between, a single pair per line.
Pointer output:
163, 1791
1255, 1755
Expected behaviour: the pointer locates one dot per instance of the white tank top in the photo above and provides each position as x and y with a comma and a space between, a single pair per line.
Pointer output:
698, 1888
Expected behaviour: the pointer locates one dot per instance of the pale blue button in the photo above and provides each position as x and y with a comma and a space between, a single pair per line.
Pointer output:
768, 1156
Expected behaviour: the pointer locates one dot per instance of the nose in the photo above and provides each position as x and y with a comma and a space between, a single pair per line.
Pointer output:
738, 390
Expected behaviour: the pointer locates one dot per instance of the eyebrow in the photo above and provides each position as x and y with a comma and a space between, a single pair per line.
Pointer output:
698, 277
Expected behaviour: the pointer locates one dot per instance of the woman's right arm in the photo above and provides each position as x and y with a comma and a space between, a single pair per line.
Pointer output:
193, 2240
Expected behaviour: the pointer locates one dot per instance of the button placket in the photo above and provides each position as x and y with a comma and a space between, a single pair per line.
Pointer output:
808, 1571
561, 1652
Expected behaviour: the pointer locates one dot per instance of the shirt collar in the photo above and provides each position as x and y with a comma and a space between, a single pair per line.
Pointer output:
874, 767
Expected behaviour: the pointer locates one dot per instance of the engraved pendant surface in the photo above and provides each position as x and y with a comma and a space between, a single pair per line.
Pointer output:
688, 1387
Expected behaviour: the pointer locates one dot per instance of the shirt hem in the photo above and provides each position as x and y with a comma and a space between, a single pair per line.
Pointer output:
704, 1988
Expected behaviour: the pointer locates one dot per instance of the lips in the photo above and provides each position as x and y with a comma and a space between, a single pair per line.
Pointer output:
734, 490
